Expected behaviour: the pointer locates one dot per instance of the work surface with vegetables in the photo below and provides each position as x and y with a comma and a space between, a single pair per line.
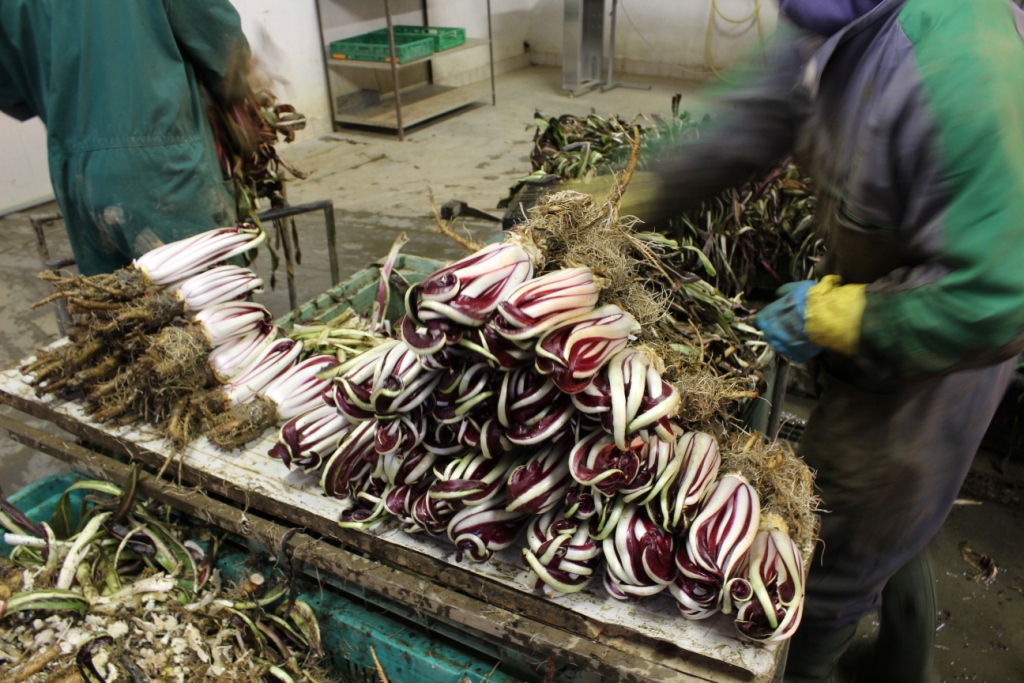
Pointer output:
518, 393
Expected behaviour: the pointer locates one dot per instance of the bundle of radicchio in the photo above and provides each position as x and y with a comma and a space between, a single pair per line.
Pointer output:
639, 557
767, 588
725, 527
354, 383
561, 554
480, 530
540, 304
717, 541
539, 485
673, 501
473, 479
531, 408
178, 260
574, 351
596, 461
463, 293
400, 381
304, 441
354, 460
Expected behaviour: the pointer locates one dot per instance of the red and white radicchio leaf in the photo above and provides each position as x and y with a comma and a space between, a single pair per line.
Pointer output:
540, 304
697, 593
676, 496
304, 441
596, 461
539, 484
574, 351
299, 390
767, 588
353, 461
473, 479
467, 291
639, 557
561, 554
640, 398
725, 527
480, 530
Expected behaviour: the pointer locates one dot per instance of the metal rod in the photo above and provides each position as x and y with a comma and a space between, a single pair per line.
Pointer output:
490, 47
327, 71
325, 205
394, 71
778, 398
39, 223
281, 226
611, 46
610, 83
332, 243
286, 211
426, 22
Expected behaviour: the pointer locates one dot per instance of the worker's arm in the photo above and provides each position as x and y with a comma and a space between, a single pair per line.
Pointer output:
964, 307
752, 124
209, 34
12, 102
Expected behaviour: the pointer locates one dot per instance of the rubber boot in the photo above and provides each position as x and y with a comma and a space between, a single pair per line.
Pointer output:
814, 653
904, 650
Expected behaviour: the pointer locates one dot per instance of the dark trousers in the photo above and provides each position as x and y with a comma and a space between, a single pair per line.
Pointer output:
890, 459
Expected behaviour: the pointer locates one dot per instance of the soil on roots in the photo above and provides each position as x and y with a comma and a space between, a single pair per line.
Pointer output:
96, 291
147, 313
240, 425
179, 357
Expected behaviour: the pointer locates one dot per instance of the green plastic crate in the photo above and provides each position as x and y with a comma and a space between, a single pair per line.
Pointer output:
359, 292
374, 47
348, 628
445, 37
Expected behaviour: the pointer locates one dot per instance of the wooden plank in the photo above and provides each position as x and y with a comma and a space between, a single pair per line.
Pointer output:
509, 626
470, 44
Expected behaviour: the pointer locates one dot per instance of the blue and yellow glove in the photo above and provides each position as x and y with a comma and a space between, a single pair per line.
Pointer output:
809, 317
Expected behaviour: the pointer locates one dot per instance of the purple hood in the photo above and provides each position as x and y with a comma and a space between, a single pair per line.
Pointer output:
825, 17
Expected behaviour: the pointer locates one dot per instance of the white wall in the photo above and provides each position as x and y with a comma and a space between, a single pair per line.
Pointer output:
25, 174
664, 38
285, 41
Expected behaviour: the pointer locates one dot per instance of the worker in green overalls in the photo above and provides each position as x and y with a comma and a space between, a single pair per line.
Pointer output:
117, 82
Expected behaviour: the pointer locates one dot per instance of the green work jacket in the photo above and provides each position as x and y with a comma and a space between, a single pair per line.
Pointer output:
117, 83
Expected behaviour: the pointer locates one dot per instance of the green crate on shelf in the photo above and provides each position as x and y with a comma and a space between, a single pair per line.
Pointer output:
374, 47
445, 37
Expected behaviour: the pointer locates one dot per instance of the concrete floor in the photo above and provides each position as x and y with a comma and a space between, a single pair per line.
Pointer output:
380, 188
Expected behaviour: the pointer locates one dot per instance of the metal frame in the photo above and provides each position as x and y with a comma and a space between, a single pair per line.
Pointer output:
39, 223
582, 45
610, 83
395, 67
278, 215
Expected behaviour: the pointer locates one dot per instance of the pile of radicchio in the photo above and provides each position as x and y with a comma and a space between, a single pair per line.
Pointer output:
509, 403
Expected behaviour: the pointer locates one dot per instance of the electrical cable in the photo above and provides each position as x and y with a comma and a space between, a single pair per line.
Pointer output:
755, 15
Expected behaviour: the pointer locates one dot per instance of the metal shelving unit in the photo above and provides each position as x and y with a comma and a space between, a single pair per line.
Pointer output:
409, 106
